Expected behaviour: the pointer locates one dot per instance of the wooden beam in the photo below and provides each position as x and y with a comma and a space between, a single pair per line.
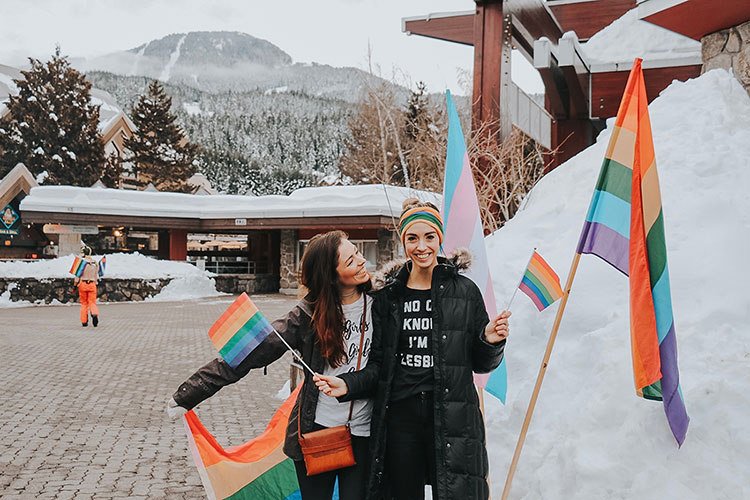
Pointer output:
588, 17
489, 72
607, 87
458, 28
695, 18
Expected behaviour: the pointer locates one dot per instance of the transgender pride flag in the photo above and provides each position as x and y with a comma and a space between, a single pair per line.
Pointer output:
463, 228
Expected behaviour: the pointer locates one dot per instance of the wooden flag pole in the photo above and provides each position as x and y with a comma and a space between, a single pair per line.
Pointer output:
540, 377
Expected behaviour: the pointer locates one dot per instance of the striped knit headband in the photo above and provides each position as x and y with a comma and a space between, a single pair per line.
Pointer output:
427, 215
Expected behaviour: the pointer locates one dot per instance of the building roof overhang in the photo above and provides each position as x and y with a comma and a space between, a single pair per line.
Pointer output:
695, 18
368, 206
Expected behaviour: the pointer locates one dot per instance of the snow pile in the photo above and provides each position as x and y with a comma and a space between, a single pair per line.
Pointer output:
591, 436
629, 37
188, 282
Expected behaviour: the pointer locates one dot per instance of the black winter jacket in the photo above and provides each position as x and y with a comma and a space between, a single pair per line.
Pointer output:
459, 347
295, 328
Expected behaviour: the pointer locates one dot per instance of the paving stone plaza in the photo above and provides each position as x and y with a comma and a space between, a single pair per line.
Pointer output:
83, 410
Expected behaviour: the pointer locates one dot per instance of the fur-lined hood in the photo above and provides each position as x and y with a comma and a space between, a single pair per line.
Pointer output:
460, 260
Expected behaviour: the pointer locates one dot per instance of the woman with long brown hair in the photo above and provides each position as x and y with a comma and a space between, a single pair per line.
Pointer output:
327, 328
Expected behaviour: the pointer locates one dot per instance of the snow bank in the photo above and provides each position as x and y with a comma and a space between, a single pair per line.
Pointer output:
591, 436
188, 282
629, 37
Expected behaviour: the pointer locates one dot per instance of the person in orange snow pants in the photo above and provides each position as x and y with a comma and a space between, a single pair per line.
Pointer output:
87, 296
87, 288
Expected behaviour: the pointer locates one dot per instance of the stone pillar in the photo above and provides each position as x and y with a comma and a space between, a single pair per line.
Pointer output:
288, 262
389, 247
70, 243
729, 49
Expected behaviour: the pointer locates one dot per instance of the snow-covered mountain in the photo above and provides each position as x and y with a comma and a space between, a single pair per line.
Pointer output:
218, 61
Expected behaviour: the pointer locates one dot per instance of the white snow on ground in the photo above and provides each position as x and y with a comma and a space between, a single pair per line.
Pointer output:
629, 37
188, 282
591, 437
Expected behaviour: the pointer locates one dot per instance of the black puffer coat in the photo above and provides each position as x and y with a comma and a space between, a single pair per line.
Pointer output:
296, 329
459, 347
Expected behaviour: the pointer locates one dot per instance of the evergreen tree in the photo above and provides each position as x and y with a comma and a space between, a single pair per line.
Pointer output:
159, 149
52, 126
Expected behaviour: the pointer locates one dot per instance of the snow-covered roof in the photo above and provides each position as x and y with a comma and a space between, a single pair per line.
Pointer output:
327, 201
629, 37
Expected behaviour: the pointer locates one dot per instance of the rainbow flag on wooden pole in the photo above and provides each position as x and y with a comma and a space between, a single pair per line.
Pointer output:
463, 228
625, 227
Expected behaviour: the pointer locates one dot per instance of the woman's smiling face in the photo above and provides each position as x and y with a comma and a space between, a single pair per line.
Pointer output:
422, 245
351, 267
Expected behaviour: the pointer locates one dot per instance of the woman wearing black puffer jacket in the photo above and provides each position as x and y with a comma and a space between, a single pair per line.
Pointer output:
431, 331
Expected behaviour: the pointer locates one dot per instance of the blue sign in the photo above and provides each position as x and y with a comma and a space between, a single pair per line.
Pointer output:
9, 218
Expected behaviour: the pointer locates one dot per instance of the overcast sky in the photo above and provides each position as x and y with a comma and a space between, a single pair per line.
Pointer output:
335, 32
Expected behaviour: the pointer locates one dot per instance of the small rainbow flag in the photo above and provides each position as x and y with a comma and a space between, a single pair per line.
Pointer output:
256, 469
239, 330
78, 266
541, 283
102, 266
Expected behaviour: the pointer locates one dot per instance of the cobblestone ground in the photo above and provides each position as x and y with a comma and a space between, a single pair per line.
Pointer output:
83, 410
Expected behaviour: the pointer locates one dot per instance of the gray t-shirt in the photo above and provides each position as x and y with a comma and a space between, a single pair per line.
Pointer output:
329, 411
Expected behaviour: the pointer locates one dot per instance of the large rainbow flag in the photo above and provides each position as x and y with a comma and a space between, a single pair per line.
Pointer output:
258, 469
541, 283
463, 228
239, 330
78, 266
625, 227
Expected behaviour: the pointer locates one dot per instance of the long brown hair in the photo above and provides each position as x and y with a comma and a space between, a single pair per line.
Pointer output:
318, 274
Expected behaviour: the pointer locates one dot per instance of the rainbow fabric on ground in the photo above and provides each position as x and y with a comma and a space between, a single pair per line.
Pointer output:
255, 470
541, 283
239, 330
78, 266
625, 227
463, 228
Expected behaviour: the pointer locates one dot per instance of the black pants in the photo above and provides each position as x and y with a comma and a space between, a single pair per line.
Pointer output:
351, 479
410, 447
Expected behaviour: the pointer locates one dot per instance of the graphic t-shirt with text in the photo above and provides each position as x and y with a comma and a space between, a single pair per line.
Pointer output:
414, 364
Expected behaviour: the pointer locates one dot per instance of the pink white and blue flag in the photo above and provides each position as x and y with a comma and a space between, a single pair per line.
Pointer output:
463, 228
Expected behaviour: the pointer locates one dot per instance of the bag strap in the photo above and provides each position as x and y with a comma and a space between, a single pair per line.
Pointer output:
359, 360
361, 341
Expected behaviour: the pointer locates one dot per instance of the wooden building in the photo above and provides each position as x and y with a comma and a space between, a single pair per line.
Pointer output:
579, 95
275, 229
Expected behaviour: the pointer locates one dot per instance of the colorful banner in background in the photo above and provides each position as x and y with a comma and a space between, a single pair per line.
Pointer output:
463, 228
102, 266
625, 227
239, 330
